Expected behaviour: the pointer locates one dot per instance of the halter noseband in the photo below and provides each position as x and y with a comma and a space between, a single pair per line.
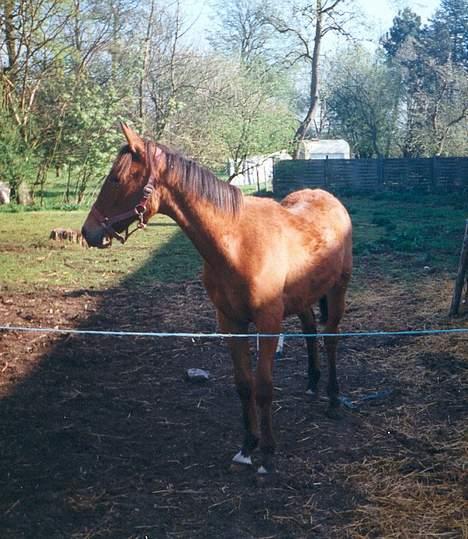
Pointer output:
138, 211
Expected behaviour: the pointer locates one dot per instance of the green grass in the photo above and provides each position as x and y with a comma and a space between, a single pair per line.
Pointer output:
429, 227
29, 260
395, 233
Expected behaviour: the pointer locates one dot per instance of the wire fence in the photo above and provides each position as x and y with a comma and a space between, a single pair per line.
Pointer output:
217, 335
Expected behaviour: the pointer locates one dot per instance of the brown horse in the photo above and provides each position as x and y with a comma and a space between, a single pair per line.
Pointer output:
263, 261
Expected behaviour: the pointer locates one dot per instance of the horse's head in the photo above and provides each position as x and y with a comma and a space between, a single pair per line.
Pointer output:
129, 193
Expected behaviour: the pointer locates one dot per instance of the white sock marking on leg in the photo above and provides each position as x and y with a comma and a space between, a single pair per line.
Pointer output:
280, 345
240, 459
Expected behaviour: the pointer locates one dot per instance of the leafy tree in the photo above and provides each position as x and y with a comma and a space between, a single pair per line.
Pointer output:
434, 103
254, 115
32, 42
259, 123
447, 33
18, 163
232, 112
406, 26
362, 99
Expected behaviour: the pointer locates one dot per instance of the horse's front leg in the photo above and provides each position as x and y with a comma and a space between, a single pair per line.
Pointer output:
269, 323
245, 388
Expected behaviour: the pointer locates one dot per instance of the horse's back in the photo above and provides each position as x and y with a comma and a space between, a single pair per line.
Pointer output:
318, 210
311, 203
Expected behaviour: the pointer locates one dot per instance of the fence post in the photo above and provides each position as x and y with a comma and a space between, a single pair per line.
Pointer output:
434, 178
380, 173
462, 273
325, 166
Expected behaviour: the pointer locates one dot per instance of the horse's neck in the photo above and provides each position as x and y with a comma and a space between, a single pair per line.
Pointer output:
207, 228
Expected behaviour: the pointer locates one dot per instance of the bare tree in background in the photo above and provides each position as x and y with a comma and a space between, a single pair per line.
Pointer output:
167, 68
306, 26
144, 67
31, 38
242, 30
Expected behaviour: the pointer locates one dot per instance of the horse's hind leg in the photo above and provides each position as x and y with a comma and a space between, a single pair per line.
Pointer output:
243, 378
336, 305
309, 326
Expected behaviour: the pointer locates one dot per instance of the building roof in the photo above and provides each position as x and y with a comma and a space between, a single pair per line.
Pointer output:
327, 146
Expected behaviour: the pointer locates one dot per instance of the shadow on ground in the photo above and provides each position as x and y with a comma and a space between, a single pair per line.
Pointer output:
104, 437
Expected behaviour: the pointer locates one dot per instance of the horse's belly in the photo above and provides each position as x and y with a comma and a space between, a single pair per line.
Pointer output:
304, 288
299, 301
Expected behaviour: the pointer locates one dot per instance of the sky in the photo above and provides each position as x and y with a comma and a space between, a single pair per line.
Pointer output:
382, 12
379, 15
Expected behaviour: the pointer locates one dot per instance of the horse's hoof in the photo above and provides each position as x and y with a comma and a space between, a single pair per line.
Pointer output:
241, 463
312, 393
264, 478
334, 413
239, 468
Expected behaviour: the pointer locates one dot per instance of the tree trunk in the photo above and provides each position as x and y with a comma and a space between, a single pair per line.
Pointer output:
144, 68
8, 7
314, 83
9, 80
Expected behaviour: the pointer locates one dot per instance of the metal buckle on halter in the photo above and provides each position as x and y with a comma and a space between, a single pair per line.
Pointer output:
112, 232
140, 211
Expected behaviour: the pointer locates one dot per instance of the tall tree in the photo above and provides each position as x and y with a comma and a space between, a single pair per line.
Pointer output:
241, 30
435, 101
306, 26
447, 33
406, 26
362, 101
33, 41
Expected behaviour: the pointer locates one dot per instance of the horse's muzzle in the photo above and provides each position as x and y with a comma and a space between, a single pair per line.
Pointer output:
96, 238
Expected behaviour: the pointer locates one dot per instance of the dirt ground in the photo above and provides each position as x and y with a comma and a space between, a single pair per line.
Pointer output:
105, 437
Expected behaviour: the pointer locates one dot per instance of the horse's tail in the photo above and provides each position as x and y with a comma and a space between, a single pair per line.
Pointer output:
323, 309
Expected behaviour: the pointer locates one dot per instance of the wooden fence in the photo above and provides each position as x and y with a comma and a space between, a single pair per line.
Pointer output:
446, 174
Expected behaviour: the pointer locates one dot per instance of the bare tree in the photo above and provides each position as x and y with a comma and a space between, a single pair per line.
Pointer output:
447, 107
32, 30
144, 68
306, 25
242, 30
172, 71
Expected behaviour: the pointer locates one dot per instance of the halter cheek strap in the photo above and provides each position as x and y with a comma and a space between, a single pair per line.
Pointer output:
139, 211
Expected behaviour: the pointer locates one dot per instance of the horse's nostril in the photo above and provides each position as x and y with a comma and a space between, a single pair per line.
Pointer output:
106, 241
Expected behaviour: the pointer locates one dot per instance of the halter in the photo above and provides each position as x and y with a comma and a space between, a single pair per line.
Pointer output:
138, 211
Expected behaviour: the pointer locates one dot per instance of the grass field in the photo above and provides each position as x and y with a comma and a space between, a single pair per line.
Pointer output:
427, 231
30, 260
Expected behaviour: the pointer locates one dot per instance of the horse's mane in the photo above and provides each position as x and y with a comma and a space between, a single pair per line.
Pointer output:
197, 181
192, 178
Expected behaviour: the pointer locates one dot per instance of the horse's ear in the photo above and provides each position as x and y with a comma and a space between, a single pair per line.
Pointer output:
135, 143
